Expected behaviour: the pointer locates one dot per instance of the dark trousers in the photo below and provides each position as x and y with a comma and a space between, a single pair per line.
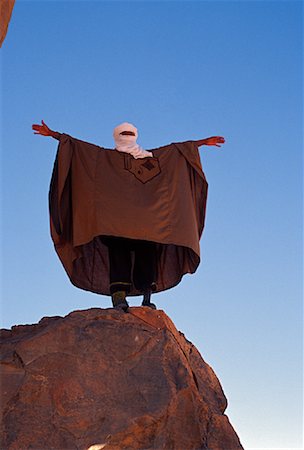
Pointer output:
120, 258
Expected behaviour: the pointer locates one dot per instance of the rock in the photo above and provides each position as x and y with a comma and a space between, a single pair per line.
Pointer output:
6, 8
104, 379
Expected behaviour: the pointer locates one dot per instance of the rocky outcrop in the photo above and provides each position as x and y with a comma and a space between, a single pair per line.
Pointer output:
6, 8
104, 379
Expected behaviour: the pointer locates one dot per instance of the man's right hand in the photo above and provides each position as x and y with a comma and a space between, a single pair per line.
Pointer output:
43, 129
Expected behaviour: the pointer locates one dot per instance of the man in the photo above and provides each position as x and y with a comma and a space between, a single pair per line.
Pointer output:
127, 221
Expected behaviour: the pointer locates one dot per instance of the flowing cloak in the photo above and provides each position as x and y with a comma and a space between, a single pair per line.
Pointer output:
97, 192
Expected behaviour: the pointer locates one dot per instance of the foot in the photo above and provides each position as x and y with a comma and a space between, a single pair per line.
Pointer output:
119, 301
122, 306
151, 305
146, 301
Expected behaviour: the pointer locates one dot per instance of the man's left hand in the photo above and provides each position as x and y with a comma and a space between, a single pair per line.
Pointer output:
215, 140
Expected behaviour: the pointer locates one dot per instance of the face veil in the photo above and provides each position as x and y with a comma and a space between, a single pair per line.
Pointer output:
127, 143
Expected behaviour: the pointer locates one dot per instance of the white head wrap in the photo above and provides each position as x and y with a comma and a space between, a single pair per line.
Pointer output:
127, 143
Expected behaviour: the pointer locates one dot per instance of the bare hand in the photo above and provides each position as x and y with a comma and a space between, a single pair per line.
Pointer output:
215, 140
43, 129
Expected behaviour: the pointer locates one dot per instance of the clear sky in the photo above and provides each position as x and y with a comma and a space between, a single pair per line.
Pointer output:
178, 70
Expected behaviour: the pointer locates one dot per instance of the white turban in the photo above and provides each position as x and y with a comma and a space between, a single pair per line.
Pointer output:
127, 143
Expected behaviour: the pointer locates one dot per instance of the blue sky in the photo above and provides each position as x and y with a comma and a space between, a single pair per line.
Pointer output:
178, 70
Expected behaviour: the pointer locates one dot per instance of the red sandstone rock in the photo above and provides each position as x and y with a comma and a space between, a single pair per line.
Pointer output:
6, 8
112, 380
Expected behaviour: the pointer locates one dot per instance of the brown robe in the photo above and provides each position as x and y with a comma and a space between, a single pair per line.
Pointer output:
96, 191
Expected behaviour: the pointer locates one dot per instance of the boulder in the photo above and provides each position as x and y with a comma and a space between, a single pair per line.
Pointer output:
105, 379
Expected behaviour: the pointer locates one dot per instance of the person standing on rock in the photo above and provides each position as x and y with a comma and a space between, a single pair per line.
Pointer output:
127, 221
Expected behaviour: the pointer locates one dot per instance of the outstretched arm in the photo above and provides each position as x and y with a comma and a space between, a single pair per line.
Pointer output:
213, 140
44, 130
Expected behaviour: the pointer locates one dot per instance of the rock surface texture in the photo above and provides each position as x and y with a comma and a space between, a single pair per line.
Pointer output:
104, 379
